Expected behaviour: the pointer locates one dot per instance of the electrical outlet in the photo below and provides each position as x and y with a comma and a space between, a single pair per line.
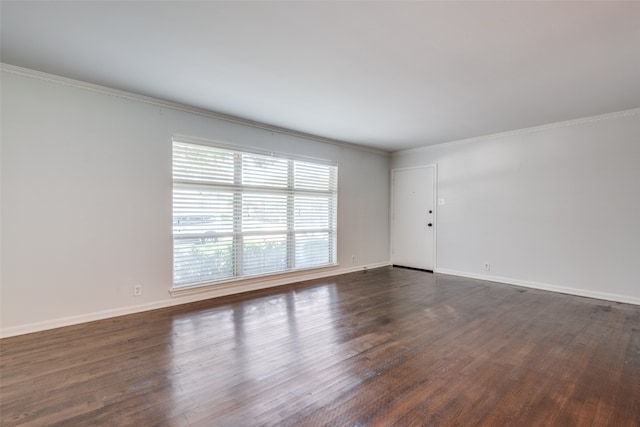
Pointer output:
137, 290
487, 266
353, 259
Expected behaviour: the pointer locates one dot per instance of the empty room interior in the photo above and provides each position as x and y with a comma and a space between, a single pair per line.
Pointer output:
320, 213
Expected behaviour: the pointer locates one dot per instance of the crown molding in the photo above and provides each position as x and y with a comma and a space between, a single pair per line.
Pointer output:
534, 129
65, 81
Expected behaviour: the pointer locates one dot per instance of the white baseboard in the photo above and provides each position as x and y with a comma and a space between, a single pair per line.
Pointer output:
200, 294
544, 286
182, 297
82, 318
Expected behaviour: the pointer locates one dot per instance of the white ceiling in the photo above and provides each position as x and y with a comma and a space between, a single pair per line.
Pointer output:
391, 75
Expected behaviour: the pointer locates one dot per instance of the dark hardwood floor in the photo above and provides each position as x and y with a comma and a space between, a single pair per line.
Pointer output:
387, 347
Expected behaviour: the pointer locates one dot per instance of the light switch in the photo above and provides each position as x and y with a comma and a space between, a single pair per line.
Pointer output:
441, 202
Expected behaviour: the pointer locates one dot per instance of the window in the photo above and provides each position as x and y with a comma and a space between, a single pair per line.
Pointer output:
238, 214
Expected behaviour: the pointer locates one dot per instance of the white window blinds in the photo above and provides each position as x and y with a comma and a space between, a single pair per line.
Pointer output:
239, 214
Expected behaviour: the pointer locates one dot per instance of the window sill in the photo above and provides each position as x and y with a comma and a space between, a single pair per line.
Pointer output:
245, 284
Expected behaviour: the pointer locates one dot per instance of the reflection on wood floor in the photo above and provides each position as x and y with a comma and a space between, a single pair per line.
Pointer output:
387, 347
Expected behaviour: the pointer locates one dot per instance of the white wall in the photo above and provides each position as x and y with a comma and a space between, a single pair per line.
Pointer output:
556, 207
86, 201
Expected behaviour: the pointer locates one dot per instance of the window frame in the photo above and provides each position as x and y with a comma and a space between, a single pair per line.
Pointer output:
240, 190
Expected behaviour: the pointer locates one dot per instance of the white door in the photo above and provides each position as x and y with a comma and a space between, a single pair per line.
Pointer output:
413, 218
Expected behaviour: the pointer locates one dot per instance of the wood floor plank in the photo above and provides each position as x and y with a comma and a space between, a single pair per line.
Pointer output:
388, 347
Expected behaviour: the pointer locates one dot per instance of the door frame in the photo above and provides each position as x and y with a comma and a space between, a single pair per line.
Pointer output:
433, 166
